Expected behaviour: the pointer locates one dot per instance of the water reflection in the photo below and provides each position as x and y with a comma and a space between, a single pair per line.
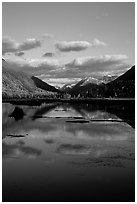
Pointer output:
18, 149
61, 147
73, 149
44, 109
17, 114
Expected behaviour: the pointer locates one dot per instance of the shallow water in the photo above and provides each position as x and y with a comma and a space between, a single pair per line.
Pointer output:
63, 152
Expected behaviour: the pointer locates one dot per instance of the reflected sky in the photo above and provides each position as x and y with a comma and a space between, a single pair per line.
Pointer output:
45, 139
18, 149
51, 127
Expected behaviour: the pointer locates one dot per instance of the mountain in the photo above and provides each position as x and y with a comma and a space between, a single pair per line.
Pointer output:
43, 85
88, 87
21, 85
108, 78
123, 86
119, 87
90, 80
129, 75
67, 87
18, 84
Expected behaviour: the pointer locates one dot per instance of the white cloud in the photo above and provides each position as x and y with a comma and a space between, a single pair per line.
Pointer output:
96, 65
47, 63
29, 44
33, 66
72, 46
34, 63
48, 35
10, 45
97, 42
96, 62
65, 46
78, 68
58, 82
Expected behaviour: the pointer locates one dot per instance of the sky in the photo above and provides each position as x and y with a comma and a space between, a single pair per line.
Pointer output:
64, 42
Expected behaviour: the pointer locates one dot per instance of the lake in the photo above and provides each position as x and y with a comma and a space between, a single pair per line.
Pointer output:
68, 152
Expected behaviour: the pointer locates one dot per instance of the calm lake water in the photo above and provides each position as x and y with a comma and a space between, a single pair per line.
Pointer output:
63, 152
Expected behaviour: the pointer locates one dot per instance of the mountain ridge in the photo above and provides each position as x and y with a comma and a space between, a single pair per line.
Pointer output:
20, 84
121, 86
43, 85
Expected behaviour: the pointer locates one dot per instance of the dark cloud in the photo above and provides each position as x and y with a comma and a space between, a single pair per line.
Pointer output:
49, 141
21, 53
48, 54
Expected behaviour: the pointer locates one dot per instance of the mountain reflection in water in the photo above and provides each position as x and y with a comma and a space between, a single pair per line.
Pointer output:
63, 152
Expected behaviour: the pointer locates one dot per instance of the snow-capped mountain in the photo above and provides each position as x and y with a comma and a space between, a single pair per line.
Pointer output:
90, 80
88, 86
109, 86
67, 87
109, 78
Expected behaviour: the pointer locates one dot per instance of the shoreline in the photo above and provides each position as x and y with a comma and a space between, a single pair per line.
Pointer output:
72, 100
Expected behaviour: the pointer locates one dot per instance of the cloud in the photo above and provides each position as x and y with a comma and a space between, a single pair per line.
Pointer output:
10, 45
48, 35
73, 149
29, 44
97, 42
72, 46
48, 54
95, 61
49, 141
59, 82
21, 53
46, 63
78, 68
34, 66
33, 63
19, 149
65, 46
97, 64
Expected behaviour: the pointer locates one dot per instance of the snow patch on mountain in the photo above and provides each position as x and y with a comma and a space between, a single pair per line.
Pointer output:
91, 80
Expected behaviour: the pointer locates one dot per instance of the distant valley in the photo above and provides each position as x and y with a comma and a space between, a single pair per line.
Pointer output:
17, 84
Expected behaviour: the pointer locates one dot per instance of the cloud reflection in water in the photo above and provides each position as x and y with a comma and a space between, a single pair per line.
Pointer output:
18, 149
